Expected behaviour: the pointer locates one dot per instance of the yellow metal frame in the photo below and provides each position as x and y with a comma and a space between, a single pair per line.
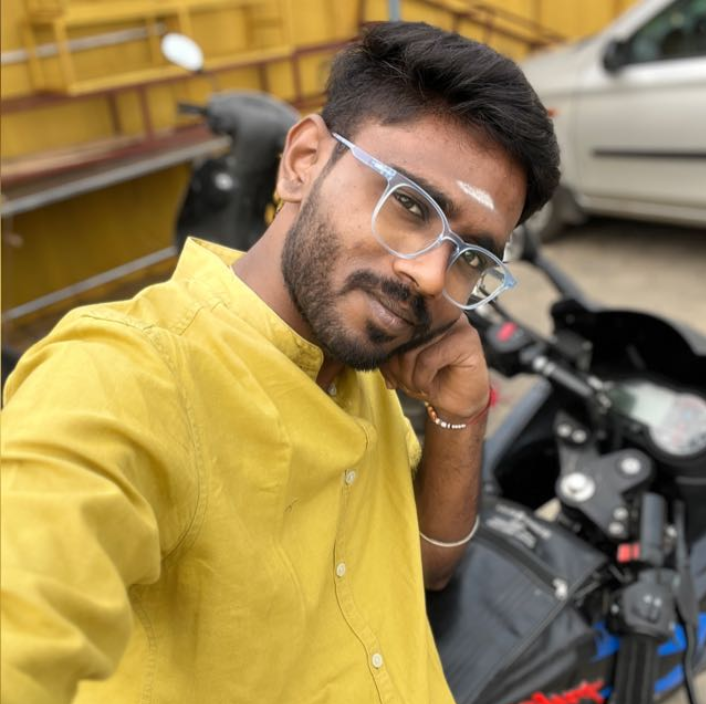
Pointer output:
61, 16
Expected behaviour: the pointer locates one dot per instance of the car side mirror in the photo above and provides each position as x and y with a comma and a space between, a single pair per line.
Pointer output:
615, 55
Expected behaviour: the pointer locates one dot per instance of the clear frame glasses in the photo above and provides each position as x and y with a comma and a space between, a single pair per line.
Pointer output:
408, 223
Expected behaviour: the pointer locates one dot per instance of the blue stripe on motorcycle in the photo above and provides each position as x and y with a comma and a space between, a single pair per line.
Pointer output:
676, 645
672, 679
608, 644
678, 642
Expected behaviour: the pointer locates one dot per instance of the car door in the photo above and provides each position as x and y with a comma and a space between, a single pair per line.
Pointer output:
641, 122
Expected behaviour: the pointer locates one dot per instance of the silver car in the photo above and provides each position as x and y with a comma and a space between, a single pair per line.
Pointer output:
629, 106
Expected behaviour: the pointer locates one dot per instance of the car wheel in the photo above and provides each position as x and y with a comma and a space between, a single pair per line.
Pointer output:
547, 223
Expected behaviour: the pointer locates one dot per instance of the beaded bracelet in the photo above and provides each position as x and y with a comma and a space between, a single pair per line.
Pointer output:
446, 425
463, 541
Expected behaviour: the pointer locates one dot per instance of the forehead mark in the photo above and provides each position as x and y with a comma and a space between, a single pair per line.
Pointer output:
478, 194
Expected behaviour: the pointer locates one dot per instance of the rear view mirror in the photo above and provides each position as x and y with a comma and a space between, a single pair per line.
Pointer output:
182, 51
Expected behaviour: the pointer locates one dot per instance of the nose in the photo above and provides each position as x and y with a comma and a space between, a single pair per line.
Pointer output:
427, 272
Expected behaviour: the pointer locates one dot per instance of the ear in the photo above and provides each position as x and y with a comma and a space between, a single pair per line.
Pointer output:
306, 151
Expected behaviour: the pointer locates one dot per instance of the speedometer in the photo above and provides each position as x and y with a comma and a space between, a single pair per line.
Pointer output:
675, 422
682, 430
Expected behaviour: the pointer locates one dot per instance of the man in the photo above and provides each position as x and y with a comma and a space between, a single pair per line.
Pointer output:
210, 492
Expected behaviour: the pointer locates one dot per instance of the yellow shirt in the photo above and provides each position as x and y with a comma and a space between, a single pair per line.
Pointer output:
187, 514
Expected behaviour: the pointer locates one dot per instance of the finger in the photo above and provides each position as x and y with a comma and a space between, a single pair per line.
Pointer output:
453, 387
398, 376
460, 348
390, 372
407, 362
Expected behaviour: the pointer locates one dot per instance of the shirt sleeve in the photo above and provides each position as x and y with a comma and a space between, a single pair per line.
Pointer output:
414, 449
97, 487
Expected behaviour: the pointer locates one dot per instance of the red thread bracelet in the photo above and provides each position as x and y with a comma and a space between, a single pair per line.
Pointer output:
446, 425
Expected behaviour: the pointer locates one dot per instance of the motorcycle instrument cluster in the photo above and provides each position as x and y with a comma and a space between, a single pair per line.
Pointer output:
675, 421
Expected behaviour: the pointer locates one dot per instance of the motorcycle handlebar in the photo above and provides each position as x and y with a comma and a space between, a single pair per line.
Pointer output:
563, 377
636, 670
513, 349
192, 109
561, 281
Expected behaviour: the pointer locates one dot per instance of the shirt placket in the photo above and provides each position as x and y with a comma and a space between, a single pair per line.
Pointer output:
344, 567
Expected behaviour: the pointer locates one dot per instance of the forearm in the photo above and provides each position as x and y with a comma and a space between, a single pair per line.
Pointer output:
90, 472
451, 376
447, 488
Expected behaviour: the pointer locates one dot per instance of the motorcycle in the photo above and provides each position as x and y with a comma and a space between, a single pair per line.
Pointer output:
606, 602
230, 195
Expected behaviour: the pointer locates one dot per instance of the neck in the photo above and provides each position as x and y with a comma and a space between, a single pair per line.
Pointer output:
259, 269
330, 369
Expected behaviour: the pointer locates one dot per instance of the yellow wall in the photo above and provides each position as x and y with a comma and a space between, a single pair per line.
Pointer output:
570, 18
222, 33
50, 248
63, 243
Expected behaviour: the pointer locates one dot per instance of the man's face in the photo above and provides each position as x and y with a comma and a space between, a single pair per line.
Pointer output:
363, 304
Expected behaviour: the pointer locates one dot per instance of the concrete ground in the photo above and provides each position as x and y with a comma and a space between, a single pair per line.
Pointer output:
618, 263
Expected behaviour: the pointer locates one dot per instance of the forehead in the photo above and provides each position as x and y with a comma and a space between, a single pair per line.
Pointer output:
484, 187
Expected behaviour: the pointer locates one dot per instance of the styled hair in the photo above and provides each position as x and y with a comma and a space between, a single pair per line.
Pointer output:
401, 71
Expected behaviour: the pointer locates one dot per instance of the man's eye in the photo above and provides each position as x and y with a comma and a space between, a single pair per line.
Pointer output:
472, 259
410, 204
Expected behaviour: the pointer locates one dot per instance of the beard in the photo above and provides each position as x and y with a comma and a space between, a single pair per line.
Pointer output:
311, 252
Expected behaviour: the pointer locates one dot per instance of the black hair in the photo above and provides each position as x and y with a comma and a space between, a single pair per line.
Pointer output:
399, 71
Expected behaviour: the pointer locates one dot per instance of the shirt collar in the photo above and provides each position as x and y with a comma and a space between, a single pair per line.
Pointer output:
210, 263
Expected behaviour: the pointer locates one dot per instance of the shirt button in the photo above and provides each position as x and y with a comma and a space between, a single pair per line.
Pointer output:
350, 476
377, 660
341, 569
332, 389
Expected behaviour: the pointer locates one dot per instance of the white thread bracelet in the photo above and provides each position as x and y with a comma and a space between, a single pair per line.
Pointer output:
447, 425
456, 544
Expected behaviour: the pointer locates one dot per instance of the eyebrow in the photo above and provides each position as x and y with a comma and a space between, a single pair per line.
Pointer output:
443, 199
483, 239
487, 242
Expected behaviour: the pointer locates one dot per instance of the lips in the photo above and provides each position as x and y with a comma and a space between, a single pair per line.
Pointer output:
391, 318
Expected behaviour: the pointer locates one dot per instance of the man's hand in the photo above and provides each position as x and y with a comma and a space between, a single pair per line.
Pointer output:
449, 372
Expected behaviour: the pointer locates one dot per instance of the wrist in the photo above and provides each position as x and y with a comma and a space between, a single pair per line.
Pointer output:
450, 421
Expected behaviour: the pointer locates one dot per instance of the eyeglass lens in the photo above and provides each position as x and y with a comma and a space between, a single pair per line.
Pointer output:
407, 222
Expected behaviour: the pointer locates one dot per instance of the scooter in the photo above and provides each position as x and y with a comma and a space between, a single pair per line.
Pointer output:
606, 602
230, 196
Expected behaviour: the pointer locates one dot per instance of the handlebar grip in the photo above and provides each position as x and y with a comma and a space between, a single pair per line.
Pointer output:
635, 670
564, 377
192, 109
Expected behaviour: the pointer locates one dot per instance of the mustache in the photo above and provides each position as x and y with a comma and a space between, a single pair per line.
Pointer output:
414, 305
